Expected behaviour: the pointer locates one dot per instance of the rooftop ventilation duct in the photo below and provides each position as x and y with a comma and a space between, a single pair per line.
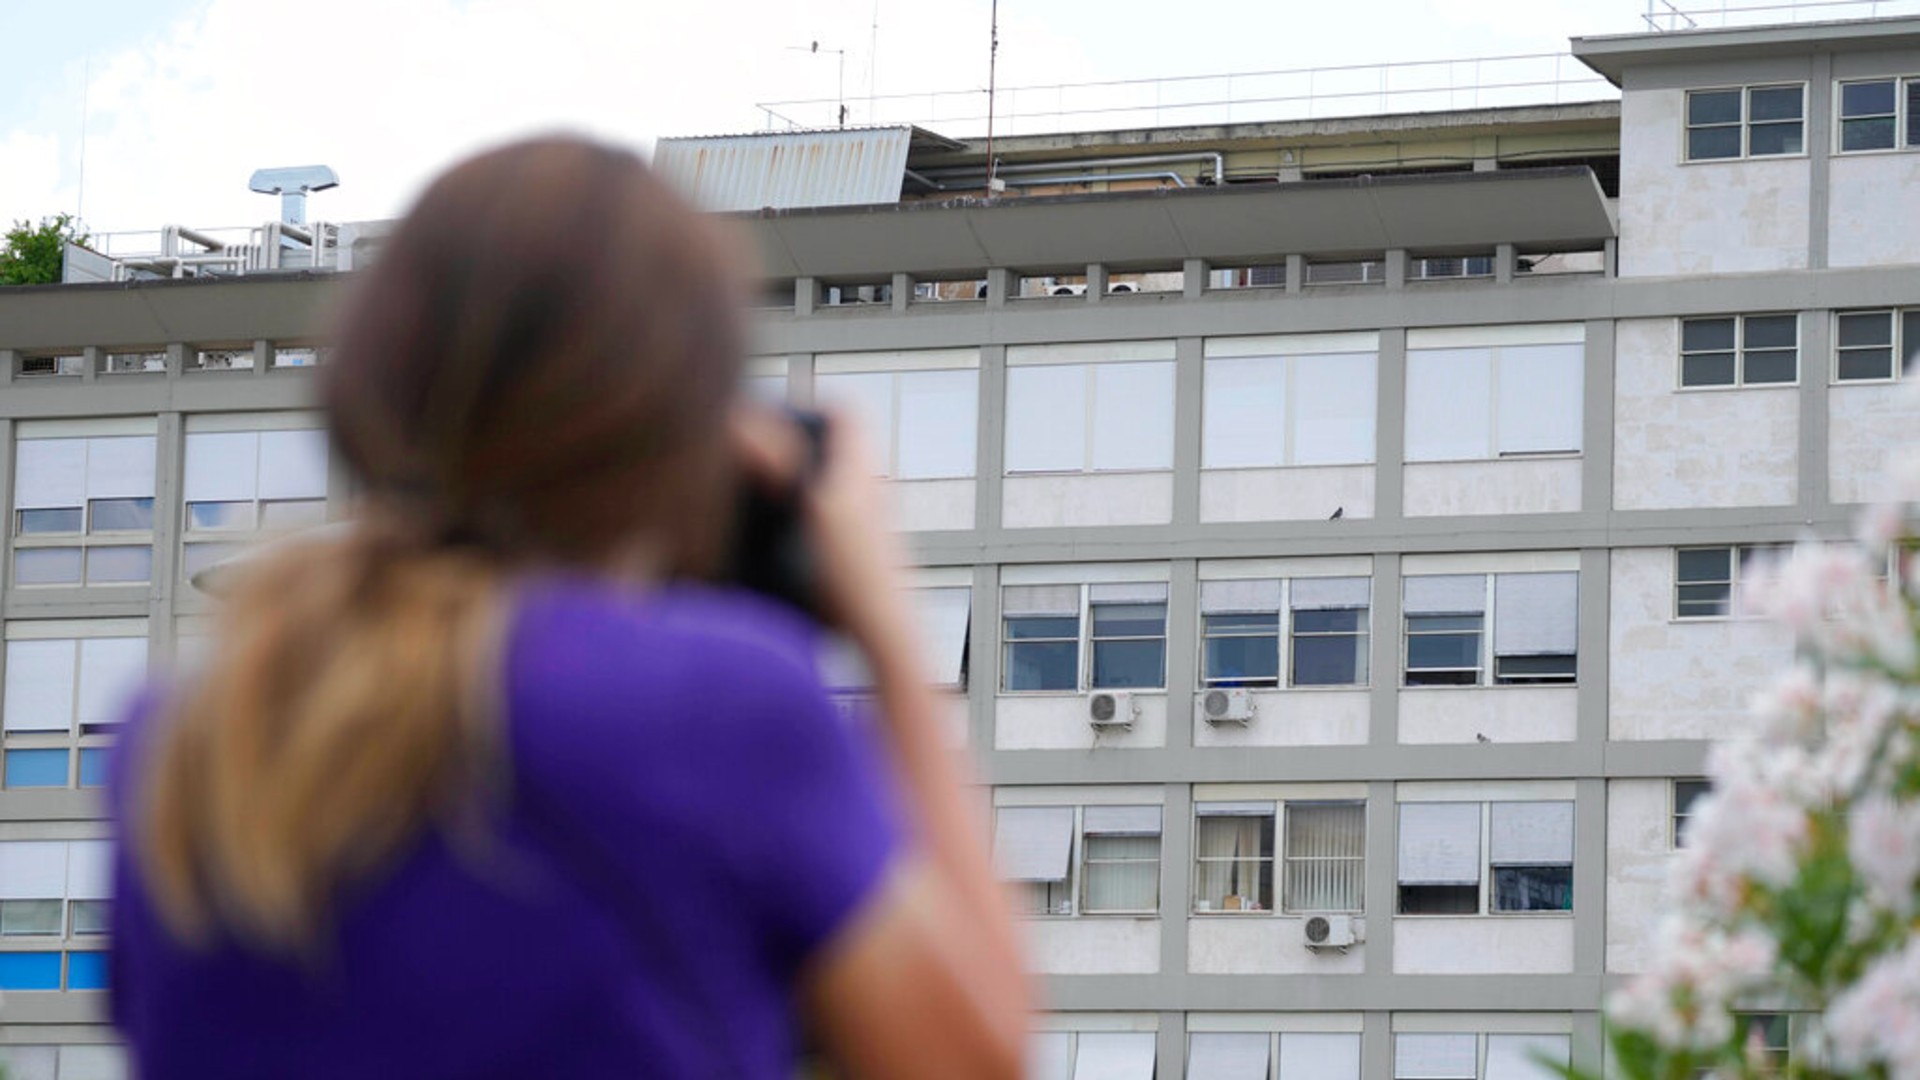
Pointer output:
292, 185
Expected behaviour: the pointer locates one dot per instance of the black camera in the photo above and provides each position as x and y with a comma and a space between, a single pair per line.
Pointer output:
770, 551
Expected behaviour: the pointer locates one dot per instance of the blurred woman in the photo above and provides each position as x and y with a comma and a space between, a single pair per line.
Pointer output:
488, 785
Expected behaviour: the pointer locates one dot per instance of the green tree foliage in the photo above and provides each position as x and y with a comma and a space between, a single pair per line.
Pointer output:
32, 254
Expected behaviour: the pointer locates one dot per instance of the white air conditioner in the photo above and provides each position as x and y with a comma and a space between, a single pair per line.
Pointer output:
1121, 287
1068, 290
1329, 932
1221, 706
1110, 708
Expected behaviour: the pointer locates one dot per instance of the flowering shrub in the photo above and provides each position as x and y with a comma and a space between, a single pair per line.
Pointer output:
1796, 887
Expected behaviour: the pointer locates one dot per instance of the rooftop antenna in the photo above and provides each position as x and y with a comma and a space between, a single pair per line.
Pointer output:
994, 183
873, 61
292, 185
815, 49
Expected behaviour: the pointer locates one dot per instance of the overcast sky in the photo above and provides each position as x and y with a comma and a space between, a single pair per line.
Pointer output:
182, 99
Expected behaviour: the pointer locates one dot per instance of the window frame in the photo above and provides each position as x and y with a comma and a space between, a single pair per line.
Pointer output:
1090, 372
1484, 889
1739, 351
1900, 321
203, 546
86, 539
1287, 859
1680, 811
1073, 888
1487, 674
82, 743
1083, 642
888, 444
1745, 124
1902, 116
1284, 634
1740, 556
1268, 863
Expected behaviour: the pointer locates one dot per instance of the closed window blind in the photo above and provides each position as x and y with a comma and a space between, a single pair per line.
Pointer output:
1228, 1055
1033, 843
1530, 833
1535, 614
1439, 844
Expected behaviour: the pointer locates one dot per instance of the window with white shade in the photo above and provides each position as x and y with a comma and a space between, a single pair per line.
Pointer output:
921, 425
1122, 625
74, 1061
1469, 858
1087, 860
1248, 1055
241, 483
1074, 418
1531, 638
67, 685
945, 618
1322, 621
54, 897
1320, 856
1467, 1055
83, 510
1487, 402
1090, 1055
1279, 411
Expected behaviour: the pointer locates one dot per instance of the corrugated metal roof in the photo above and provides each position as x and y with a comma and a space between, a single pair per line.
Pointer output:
788, 169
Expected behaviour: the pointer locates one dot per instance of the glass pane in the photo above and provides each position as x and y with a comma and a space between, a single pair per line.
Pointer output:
87, 971
1773, 103
1705, 564
93, 767
121, 515
1122, 873
293, 513
1711, 144
1685, 792
1872, 134
197, 557
1707, 369
1123, 664
36, 768
1534, 668
1437, 623
1865, 364
1439, 899
60, 520
1533, 888
1233, 863
1706, 335
1330, 661
113, 565
1241, 661
1704, 601
1330, 621
1713, 107
1043, 666
1443, 651
1253, 622
1913, 113
1042, 626
1866, 99
1129, 620
29, 971
1772, 366
29, 917
1764, 140
89, 916
1772, 332
1910, 342
219, 515
1866, 328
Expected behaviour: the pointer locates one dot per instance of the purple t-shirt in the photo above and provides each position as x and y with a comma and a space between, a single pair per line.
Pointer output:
689, 821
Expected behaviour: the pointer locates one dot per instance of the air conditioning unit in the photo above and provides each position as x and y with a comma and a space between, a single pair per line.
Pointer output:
1108, 708
1227, 706
1121, 287
1068, 290
1330, 932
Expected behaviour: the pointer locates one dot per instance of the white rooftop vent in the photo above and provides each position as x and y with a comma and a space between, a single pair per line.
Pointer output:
292, 183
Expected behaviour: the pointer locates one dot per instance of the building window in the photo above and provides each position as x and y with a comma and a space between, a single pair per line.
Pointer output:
1685, 794
1771, 1035
242, 483
1262, 412
1529, 858
1075, 418
1879, 114
1449, 267
1246, 1055
1476, 404
1325, 857
1458, 1056
1346, 272
1745, 350
1535, 630
1126, 639
64, 698
1325, 625
1092, 1055
945, 621
1118, 862
1233, 857
53, 893
1757, 121
922, 424
1875, 345
1710, 581
83, 510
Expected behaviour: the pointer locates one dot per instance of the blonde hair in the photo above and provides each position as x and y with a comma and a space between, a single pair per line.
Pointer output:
536, 374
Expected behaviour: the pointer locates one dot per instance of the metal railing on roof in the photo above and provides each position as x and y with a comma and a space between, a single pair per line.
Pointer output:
1667, 16
176, 251
1235, 97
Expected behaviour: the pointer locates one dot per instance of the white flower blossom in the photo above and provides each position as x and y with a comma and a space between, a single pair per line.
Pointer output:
1877, 1020
1883, 840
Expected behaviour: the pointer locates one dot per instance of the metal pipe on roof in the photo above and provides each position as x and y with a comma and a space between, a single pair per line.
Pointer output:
1219, 164
1076, 178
